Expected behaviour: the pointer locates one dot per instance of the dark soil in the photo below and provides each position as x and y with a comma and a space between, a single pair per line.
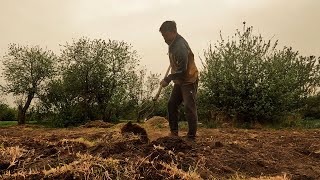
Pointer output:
219, 153
136, 130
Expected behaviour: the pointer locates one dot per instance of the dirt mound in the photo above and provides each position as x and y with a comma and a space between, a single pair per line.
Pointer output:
124, 147
97, 124
166, 149
157, 121
172, 143
135, 129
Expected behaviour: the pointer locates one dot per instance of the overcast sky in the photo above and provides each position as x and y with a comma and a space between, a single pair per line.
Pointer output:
49, 23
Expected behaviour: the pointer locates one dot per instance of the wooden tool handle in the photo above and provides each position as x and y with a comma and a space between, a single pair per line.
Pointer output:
160, 88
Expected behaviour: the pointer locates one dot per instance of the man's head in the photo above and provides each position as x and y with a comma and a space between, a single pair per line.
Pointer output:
168, 30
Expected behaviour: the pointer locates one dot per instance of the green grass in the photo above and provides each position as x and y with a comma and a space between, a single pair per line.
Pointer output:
13, 123
301, 124
8, 123
310, 124
184, 125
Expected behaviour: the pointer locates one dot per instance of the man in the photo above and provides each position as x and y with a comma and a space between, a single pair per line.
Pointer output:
184, 75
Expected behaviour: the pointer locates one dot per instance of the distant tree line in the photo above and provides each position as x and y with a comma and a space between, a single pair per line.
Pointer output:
243, 79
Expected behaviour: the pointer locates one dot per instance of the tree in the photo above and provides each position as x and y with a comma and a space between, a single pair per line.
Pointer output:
249, 79
26, 69
94, 80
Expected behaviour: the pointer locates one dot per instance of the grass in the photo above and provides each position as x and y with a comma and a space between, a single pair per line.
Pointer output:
310, 124
14, 123
11, 154
240, 177
304, 124
8, 123
184, 125
300, 124
81, 140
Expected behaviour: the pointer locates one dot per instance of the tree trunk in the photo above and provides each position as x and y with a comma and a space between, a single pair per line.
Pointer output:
21, 115
102, 103
23, 110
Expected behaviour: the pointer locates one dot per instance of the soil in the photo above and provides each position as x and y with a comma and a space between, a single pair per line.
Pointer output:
216, 153
97, 124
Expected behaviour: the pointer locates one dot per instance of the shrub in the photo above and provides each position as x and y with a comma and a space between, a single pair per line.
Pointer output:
250, 80
7, 113
312, 107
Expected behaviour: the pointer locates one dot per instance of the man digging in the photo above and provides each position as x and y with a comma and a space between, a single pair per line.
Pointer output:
184, 75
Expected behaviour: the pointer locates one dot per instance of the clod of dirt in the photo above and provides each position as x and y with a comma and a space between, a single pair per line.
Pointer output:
50, 150
172, 143
107, 150
97, 124
4, 165
72, 147
135, 129
218, 144
308, 152
163, 155
157, 121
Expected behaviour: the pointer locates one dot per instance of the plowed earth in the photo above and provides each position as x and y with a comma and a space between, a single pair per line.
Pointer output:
30, 152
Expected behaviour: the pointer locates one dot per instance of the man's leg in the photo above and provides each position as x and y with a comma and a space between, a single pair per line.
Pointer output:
189, 92
173, 108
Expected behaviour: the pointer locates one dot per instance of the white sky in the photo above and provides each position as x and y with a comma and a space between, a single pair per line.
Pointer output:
49, 23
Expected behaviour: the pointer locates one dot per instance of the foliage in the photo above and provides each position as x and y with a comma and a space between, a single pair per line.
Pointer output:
141, 94
312, 107
7, 113
26, 70
244, 78
161, 104
97, 79
250, 80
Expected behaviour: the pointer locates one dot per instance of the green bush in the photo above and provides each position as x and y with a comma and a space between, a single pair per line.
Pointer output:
312, 107
7, 113
161, 106
96, 79
250, 80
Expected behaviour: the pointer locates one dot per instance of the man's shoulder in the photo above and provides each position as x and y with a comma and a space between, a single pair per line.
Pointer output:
181, 42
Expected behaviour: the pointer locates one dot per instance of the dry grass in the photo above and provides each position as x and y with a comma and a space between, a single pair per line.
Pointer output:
284, 177
88, 166
97, 124
240, 177
174, 171
81, 140
157, 121
156, 127
11, 154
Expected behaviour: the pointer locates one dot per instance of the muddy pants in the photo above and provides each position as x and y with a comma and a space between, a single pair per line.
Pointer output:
186, 94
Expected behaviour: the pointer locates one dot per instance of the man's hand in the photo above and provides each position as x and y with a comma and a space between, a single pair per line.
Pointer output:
164, 83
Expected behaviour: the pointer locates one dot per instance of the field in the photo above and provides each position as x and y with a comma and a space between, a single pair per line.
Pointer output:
103, 151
